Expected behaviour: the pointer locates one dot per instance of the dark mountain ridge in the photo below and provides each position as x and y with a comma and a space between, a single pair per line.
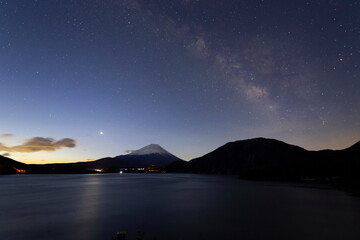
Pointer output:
270, 159
9, 166
110, 164
152, 156
256, 159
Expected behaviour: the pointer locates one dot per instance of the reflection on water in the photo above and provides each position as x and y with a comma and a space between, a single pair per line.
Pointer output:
88, 206
171, 206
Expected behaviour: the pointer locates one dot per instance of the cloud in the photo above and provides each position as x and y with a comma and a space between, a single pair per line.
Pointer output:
66, 142
6, 135
38, 144
6, 154
129, 151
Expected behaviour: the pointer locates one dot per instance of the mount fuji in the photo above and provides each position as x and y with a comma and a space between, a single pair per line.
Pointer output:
151, 149
152, 156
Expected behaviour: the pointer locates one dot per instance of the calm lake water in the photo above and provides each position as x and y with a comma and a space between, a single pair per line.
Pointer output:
170, 207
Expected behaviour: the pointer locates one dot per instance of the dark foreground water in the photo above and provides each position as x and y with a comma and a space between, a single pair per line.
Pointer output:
170, 207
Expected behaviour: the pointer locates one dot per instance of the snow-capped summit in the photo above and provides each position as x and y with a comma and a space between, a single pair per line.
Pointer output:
151, 149
148, 156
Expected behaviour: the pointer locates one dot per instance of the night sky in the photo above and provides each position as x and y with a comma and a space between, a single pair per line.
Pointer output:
82, 80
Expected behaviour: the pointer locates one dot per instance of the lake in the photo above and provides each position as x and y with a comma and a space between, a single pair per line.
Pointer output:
171, 207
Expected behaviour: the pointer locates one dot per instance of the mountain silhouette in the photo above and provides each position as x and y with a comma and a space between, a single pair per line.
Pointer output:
9, 166
270, 159
258, 157
255, 159
152, 156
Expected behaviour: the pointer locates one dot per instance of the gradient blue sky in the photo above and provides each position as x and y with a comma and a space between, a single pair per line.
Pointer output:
188, 75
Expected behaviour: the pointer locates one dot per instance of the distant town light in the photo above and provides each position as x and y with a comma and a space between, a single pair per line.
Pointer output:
19, 170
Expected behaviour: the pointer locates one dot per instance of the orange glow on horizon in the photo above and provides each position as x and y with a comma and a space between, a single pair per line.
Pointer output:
19, 170
27, 160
